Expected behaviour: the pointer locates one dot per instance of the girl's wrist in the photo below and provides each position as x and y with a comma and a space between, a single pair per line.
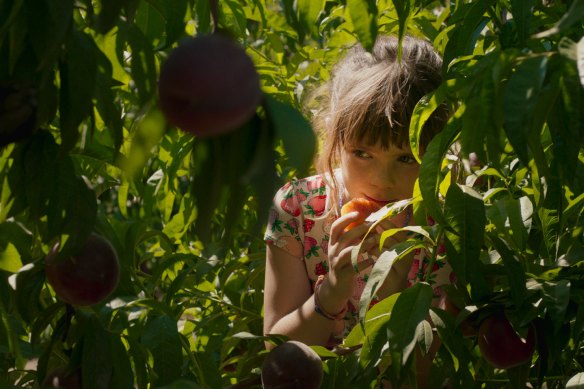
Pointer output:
326, 302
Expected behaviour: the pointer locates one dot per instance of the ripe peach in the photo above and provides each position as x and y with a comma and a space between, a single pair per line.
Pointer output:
501, 346
87, 277
208, 86
365, 208
292, 365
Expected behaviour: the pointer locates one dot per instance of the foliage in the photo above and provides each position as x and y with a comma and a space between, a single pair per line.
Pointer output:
185, 215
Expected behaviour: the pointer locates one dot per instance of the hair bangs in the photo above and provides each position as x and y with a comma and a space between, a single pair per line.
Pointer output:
374, 120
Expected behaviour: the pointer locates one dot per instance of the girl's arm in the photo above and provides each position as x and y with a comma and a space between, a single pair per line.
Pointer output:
289, 304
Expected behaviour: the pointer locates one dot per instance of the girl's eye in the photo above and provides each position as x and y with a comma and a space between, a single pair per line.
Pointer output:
361, 154
407, 159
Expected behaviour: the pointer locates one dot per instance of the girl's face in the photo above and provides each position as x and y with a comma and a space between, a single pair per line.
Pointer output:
377, 174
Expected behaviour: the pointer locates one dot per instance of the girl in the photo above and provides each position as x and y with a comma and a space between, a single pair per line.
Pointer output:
364, 123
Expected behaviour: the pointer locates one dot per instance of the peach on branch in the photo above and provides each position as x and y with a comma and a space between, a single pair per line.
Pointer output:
291, 365
209, 86
87, 277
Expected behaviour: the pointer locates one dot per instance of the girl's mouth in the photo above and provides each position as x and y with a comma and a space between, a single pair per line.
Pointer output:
381, 202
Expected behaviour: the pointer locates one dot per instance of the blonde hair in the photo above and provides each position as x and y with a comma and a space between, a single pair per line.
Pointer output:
370, 98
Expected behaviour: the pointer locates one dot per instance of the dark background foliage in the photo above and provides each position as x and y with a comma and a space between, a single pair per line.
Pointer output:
78, 79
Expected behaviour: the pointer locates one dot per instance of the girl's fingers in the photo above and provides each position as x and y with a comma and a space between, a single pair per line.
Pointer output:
354, 235
364, 264
339, 225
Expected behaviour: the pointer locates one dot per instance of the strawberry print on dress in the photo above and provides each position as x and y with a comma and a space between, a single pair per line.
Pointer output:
300, 222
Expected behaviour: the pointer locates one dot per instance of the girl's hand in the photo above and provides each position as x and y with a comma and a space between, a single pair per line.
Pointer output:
341, 277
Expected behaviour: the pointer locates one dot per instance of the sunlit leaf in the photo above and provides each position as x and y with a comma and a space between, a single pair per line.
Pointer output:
10, 258
574, 15
363, 14
308, 12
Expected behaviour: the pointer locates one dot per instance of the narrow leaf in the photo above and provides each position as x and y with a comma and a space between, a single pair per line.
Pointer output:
410, 309
519, 101
363, 14
295, 131
78, 73
465, 213
430, 169
308, 12
161, 337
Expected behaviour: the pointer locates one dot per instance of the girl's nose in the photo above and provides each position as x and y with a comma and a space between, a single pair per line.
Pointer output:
387, 176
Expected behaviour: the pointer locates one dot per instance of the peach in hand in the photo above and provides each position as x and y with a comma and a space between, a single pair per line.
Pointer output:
363, 206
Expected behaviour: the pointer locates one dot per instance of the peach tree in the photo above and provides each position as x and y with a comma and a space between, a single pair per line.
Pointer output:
107, 130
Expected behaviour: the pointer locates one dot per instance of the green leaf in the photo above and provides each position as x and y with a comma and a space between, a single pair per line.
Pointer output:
9, 258
142, 63
372, 334
15, 234
573, 16
105, 101
78, 71
363, 14
96, 356
522, 11
295, 131
108, 16
374, 318
71, 207
557, 297
175, 20
403, 9
381, 269
203, 13
421, 114
465, 214
470, 20
49, 15
122, 374
430, 169
424, 336
450, 335
565, 118
514, 271
39, 158
29, 284
162, 339
410, 309
519, 101
150, 19
515, 219
308, 13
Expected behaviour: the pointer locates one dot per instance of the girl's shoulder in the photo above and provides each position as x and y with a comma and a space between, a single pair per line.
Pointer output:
312, 185
306, 196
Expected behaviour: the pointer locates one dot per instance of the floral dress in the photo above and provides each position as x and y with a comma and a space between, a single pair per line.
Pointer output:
300, 221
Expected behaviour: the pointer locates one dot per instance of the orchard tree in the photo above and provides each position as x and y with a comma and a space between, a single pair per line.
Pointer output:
141, 142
